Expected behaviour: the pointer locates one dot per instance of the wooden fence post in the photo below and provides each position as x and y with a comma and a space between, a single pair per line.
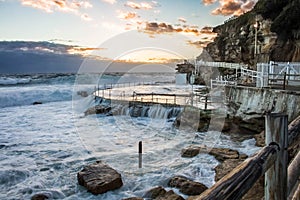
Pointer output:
276, 176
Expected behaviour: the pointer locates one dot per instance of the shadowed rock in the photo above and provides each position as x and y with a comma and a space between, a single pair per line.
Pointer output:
39, 197
99, 178
159, 193
187, 186
99, 109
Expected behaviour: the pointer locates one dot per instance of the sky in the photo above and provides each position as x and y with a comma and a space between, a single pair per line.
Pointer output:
128, 30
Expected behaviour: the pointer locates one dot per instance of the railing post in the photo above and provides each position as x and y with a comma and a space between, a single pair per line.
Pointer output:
205, 105
276, 176
284, 80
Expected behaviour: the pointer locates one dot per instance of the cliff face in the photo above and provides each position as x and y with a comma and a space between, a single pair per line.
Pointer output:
276, 25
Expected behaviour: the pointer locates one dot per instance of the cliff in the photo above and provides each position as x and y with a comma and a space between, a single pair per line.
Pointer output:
276, 25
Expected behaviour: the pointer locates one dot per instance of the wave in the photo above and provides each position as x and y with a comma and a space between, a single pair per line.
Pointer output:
11, 80
19, 96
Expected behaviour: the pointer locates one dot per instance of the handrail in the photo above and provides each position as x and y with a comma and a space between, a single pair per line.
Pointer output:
271, 159
236, 184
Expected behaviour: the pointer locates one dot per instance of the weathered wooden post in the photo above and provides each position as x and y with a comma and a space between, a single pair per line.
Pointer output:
276, 176
205, 105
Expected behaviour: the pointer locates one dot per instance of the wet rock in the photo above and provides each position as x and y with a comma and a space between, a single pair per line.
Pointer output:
83, 93
220, 154
155, 192
159, 193
99, 109
190, 152
37, 103
99, 178
39, 197
187, 186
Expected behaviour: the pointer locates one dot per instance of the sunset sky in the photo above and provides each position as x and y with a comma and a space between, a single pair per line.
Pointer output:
117, 28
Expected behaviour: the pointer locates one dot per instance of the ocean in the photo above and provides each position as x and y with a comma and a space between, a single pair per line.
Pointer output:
44, 146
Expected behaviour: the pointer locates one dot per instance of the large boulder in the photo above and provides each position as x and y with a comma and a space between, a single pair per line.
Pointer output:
187, 186
99, 178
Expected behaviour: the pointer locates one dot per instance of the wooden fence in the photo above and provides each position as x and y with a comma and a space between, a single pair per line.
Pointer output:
271, 160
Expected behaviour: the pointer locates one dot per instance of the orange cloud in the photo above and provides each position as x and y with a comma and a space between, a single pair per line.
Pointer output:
142, 5
84, 51
198, 44
127, 15
233, 7
50, 6
206, 36
208, 2
153, 28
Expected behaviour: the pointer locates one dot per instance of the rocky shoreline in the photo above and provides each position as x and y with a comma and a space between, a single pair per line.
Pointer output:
99, 178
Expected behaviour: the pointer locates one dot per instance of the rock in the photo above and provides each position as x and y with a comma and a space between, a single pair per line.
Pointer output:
170, 195
83, 93
190, 152
222, 154
187, 186
159, 193
260, 139
155, 192
39, 197
99, 178
37, 103
133, 198
226, 167
98, 109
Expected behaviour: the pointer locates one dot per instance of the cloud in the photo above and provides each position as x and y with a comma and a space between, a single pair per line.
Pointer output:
110, 1
49, 6
86, 17
153, 28
127, 15
231, 7
199, 44
208, 2
206, 36
142, 5
181, 19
